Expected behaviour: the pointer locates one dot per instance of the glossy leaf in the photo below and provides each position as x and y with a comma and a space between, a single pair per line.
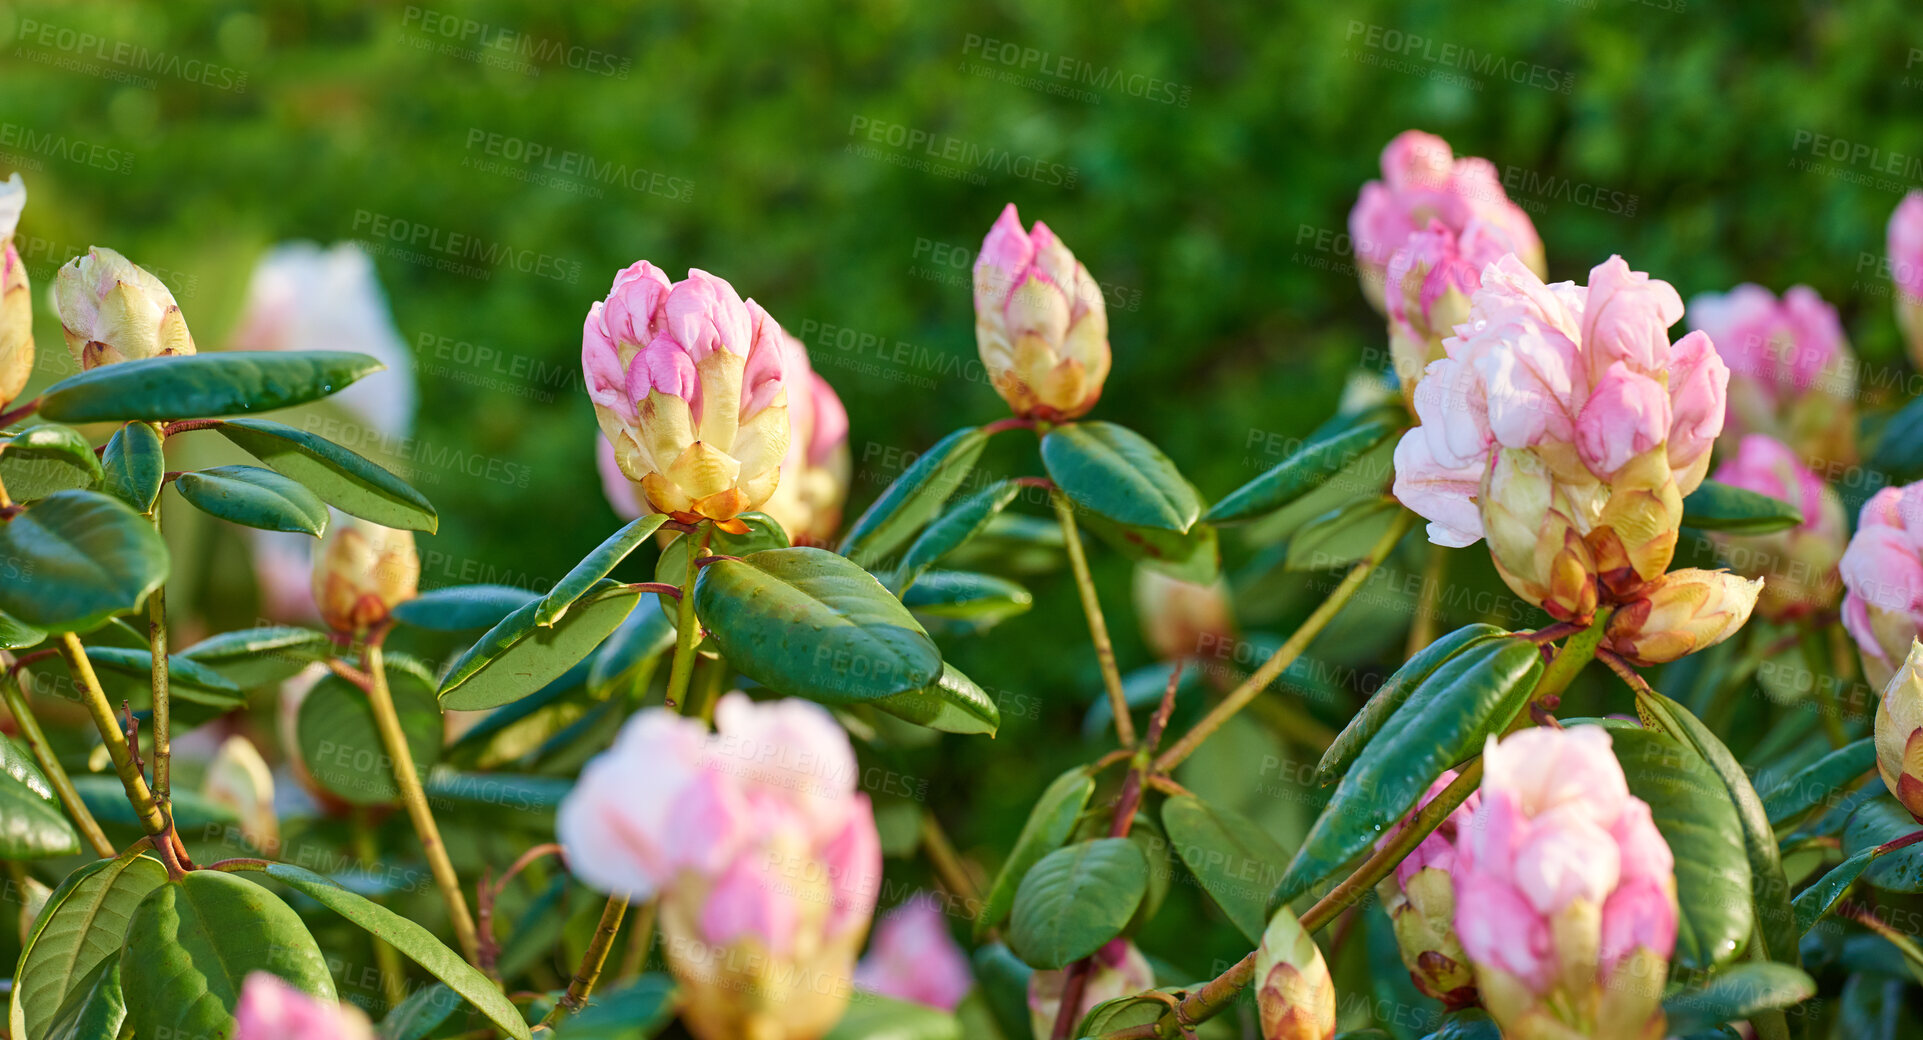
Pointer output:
421, 1013
1342, 536
1722, 507
809, 623
1322, 455
951, 704
1374, 714
1230, 854
32, 824
186, 676
517, 656
1441, 725
632, 1011
134, 465
76, 558
45, 458
83, 924
1075, 899
343, 479
254, 497
1877, 822
1003, 981
251, 657
595, 566
1049, 823
1828, 777
984, 599
340, 743
462, 608
1813, 902
915, 497
200, 386
1114, 472
954, 528
1737, 994
193, 942
18, 635
631, 654
95, 1010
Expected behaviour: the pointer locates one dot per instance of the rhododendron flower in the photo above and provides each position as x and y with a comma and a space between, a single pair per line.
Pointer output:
688, 385
914, 957
16, 296
624, 496
1420, 899
1906, 270
112, 310
814, 476
1119, 969
1800, 563
1791, 373
1899, 733
363, 570
1883, 572
1040, 322
270, 1009
1565, 428
1424, 184
1565, 891
1294, 996
1183, 619
1429, 282
764, 856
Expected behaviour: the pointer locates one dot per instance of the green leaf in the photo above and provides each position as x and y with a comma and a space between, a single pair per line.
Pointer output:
340, 743
421, 1013
1824, 779
199, 386
1441, 725
1194, 555
343, 479
1049, 824
18, 635
1721, 507
187, 677
634, 1011
1736, 994
1003, 981
595, 566
134, 465
194, 941
517, 656
1322, 455
984, 599
251, 657
628, 659
954, 528
808, 623
413, 941
106, 799
1135, 1009
1813, 902
951, 704
43, 459
76, 558
915, 497
1076, 899
871, 1016
32, 825
1696, 818
1878, 822
1341, 536
1898, 451
495, 791
1374, 714
254, 497
1230, 854
96, 1008
1113, 471
462, 608
83, 924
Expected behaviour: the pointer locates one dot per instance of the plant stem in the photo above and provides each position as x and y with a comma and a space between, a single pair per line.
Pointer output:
1259, 680
408, 780
948, 865
640, 940
1097, 626
1577, 651
1384, 859
163, 706
36, 739
687, 629
589, 972
131, 778
1200, 1005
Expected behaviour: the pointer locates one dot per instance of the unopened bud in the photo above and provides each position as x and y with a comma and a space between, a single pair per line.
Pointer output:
1899, 733
1294, 995
361, 572
1686, 611
113, 310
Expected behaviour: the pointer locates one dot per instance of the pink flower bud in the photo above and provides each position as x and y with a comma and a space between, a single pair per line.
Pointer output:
1882, 570
305, 297
1800, 563
270, 1009
815, 474
1565, 891
915, 958
1182, 619
361, 572
1792, 375
111, 310
16, 297
1420, 899
1294, 996
1040, 322
1906, 270
1565, 427
1899, 732
1680, 613
1119, 971
1424, 184
764, 856
1429, 282
688, 385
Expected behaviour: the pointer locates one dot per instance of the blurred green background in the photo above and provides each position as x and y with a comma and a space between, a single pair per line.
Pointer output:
840, 162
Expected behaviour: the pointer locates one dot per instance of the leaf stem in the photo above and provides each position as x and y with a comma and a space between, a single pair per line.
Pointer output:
1259, 680
145, 808
408, 779
687, 630
36, 739
1097, 626
589, 972
163, 702
8, 418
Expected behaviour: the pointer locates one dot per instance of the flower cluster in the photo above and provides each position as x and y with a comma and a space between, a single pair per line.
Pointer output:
1791, 373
